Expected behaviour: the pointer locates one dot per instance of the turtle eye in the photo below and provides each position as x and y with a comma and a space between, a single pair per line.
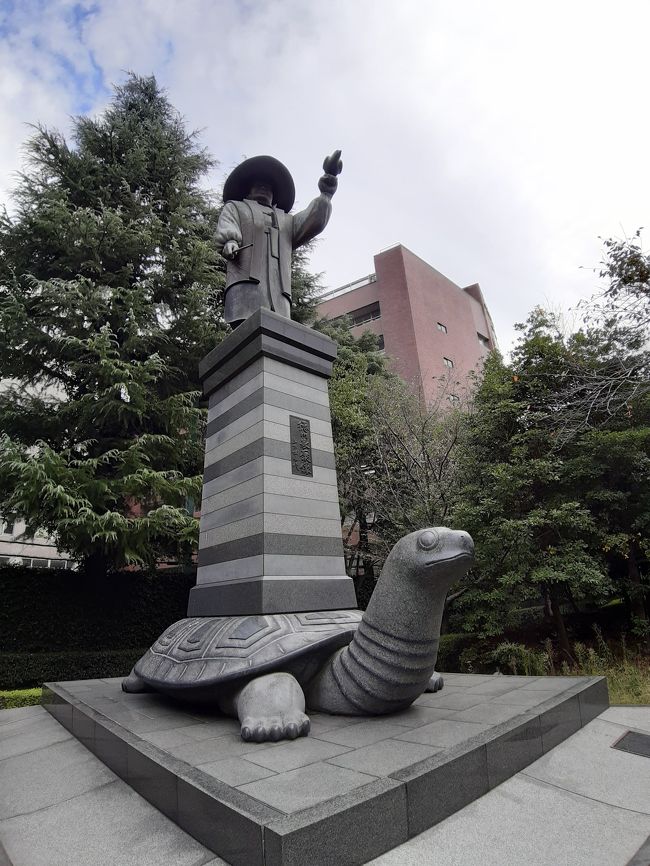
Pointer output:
428, 539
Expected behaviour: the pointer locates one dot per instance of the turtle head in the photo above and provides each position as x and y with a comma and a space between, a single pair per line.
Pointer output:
435, 553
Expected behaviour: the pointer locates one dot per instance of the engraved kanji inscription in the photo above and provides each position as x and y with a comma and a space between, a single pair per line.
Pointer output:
300, 434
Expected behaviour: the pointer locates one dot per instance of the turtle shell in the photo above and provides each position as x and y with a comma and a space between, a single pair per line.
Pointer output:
203, 651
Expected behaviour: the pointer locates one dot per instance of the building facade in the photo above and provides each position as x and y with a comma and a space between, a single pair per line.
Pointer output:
434, 332
35, 552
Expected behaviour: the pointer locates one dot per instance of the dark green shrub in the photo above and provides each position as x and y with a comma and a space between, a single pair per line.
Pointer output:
44, 610
28, 670
450, 650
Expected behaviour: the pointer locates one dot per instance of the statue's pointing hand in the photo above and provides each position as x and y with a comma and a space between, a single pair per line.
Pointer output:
332, 166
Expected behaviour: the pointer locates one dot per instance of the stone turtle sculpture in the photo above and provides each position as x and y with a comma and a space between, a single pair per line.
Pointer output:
264, 669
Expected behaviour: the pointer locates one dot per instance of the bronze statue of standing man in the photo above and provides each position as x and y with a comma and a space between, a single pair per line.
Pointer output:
257, 234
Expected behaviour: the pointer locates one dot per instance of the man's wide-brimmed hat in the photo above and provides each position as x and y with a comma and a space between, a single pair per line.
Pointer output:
257, 168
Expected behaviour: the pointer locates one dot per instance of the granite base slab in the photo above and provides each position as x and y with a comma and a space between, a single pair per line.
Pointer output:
355, 788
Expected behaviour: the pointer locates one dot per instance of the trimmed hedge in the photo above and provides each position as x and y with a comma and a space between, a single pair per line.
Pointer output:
28, 670
45, 610
19, 698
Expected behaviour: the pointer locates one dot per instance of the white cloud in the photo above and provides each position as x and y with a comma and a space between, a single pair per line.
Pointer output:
497, 141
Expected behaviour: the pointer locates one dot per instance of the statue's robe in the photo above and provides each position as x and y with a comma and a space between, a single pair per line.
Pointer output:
260, 275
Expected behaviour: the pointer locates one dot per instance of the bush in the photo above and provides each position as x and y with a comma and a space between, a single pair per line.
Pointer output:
19, 698
49, 610
25, 670
451, 649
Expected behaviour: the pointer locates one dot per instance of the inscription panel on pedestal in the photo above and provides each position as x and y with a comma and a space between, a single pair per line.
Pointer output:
301, 455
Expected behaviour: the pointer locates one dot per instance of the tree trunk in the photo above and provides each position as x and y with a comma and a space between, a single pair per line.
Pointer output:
558, 619
367, 583
637, 592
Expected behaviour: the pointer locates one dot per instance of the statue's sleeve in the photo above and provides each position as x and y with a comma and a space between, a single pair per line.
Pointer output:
311, 221
228, 227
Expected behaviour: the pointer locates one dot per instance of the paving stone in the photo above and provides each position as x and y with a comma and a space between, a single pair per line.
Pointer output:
557, 684
213, 728
37, 735
49, 775
151, 779
494, 688
442, 784
306, 786
418, 715
588, 765
525, 823
169, 738
444, 733
297, 753
206, 751
489, 713
524, 697
236, 771
629, 717
384, 758
109, 826
559, 722
514, 749
20, 714
364, 733
346, 830
321, 722
593, 700
444, 700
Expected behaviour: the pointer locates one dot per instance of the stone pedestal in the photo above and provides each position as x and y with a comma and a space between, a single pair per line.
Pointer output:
270, 524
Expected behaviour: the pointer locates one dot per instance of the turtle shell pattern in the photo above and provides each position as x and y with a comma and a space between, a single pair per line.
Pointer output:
203, 651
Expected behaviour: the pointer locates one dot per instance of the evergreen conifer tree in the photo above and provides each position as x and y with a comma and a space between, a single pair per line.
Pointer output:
109, 297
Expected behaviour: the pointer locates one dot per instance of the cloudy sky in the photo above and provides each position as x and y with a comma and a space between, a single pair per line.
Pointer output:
496, 140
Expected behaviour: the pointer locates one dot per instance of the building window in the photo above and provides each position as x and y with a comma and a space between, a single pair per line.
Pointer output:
365, 314
380, 342
6, 527
483, 340
448, 362
454, 399
442, 327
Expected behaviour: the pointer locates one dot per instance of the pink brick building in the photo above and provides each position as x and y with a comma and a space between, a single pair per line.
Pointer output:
435, 332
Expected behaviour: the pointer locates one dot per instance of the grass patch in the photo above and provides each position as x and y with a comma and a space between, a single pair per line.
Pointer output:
9, 700
628, 673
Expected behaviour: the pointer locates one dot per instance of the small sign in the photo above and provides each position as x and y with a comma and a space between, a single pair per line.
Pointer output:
300, 435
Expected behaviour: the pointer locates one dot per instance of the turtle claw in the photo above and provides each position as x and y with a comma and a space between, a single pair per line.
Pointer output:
271, 708
435, 683
288, 727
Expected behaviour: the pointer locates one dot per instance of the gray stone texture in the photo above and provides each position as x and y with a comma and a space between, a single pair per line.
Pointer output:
266, 334
261, 523
64, 807
346, 794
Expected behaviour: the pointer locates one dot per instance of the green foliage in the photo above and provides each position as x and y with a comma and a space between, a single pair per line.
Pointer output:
451, 649
522, 660
109, 294
19, 698
359, 370
50, 610
30, 670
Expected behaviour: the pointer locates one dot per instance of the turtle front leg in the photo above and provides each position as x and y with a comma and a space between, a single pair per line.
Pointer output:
271, 707
435, 683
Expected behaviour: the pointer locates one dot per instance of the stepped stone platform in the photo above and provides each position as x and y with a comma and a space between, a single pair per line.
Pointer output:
355, 788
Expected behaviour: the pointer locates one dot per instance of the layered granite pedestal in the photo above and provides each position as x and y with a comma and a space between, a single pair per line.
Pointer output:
355, 788
270, 537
